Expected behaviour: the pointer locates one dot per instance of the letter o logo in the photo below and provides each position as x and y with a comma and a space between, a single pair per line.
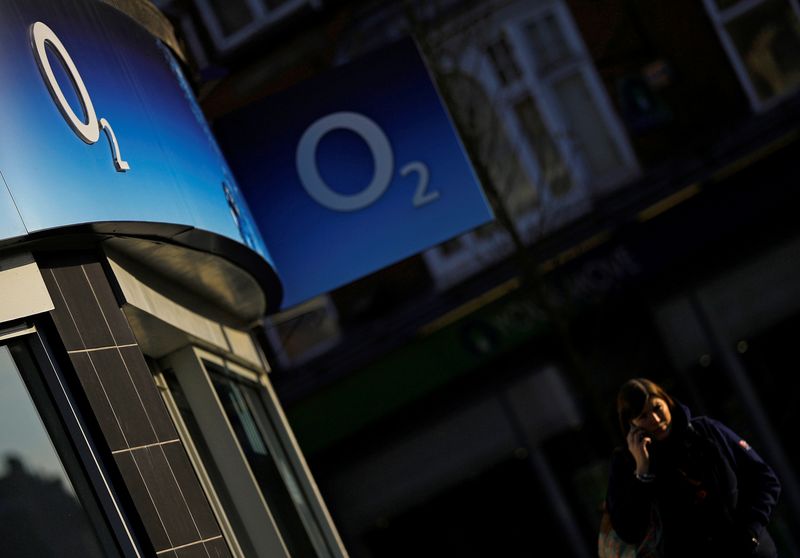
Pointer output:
378, 143
87, 131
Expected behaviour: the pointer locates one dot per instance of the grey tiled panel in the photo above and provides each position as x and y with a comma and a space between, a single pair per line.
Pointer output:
130, 411
98, 401
124, 398
83, 307
218, 548
167, 496
148, 392
194, 551
108, 304
64, 323
192, 491
144, 505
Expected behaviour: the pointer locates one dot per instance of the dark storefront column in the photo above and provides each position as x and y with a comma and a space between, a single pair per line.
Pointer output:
130, 413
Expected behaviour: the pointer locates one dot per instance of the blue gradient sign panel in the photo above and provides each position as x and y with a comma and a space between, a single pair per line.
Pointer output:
10, 222
99, 126
352, 171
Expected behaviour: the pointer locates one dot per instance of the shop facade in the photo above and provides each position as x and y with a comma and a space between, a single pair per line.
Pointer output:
138, 413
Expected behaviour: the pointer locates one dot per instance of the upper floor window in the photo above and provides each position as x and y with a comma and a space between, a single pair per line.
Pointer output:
525, 88
561, 108
231, 22
762, 39
505, 65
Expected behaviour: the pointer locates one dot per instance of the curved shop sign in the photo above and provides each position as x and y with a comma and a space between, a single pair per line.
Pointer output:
88, 131
352, 171
99, 126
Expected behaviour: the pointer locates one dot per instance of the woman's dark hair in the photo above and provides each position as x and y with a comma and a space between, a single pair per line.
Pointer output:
632, 398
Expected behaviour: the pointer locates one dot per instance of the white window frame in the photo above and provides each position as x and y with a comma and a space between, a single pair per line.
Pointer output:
229, 534
262, 17
541, 86
477, 253
262, 530
720, 18
22, 289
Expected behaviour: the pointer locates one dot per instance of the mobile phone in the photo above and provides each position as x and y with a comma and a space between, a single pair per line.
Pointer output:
639, 432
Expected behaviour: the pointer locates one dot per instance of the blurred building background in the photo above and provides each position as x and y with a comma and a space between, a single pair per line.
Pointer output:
641, 161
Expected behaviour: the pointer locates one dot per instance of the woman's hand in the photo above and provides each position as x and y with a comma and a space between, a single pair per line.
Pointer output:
638, 442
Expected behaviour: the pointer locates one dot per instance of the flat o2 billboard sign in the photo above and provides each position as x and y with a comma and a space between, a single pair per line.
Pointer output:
352, 171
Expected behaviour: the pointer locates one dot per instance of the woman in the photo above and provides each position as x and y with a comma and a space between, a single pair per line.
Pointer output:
711, 492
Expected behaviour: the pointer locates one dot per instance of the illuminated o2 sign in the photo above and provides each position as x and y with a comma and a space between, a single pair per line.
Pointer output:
382, 155
88, 131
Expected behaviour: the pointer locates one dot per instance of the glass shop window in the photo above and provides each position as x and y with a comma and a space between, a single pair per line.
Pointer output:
243, 454
46, 507
258, 438
222, 501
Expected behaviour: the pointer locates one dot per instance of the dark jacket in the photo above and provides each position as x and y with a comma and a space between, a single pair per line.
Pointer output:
711, 491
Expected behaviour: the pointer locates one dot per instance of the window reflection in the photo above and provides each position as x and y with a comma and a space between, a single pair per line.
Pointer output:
40, 514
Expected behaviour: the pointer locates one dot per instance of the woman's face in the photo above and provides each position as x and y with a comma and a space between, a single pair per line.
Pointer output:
655, 419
